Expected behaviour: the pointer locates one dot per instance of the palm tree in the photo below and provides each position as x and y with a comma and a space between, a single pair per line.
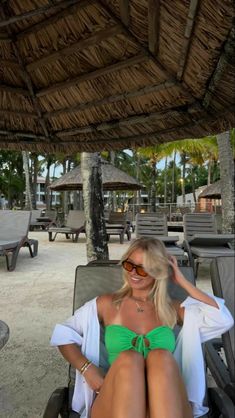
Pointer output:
154, 155
226, 159
28, 196
97, 247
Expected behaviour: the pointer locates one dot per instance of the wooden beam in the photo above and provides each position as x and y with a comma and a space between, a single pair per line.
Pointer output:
120, 65
14, 65
70, 9
20, 134
193, 8
92, 40
21, 113
145, 118
14, 90
124, 7
35, 12
111, 99
227, 57
153, 25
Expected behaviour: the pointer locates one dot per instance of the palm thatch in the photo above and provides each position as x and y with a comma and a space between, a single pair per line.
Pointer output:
112, 179
212, 192
88, 75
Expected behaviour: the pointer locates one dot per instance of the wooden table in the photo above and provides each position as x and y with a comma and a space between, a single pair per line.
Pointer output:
4, 334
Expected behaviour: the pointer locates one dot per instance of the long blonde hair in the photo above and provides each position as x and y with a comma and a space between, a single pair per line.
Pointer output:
156, 264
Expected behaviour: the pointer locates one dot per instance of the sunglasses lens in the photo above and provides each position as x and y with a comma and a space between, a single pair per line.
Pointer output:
127, 265
140, 271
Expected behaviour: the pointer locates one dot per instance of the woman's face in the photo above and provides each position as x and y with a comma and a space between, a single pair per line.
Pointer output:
136, 281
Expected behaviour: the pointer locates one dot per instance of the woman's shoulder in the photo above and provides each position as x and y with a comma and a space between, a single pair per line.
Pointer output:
104, 304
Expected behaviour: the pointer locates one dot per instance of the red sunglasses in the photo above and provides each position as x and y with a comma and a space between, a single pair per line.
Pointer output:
129, 266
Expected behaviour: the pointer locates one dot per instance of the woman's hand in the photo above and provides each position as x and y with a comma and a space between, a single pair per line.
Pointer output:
94, 377
177, 277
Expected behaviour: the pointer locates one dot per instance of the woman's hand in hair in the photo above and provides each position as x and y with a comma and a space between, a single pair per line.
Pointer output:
177, 277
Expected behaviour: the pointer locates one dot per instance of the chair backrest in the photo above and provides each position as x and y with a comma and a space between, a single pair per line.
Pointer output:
14, 224
151, 224
76, 219
117, 218
222, 279
51, 214
36, 213
199, 223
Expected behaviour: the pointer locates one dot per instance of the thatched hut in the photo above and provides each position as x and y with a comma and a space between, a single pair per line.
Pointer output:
112, 179
213, 191
87, 75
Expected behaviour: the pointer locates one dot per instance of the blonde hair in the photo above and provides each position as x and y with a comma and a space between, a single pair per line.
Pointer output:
156, 264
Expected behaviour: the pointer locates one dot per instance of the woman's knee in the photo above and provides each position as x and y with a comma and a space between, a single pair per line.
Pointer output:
129, 362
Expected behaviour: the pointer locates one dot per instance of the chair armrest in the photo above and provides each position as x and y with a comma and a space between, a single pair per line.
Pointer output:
221, 404
215, 363
57, 404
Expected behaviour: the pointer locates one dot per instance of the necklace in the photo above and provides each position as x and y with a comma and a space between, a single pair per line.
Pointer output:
139, 309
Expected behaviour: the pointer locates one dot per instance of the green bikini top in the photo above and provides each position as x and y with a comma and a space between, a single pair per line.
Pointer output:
119, 338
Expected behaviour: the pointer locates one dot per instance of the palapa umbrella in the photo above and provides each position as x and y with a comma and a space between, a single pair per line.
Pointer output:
113, 179
212, 192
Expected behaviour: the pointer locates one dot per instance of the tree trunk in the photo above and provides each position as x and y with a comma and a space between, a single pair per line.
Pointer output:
153, 186
173, 180
209, 167
113, 193
165, 183
28, 196
227, 181
193, 184
97, 247
47, 183
34, 182
183, 157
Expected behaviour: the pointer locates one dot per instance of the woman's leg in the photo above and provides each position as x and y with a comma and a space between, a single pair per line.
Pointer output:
123, 393
166, 391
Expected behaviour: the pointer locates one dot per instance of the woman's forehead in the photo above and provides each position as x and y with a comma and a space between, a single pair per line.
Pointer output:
136, 255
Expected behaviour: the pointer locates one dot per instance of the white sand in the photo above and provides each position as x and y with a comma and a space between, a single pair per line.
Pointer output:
33, 298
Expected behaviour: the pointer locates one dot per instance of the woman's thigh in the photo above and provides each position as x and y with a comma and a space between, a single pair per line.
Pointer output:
127, 372
165, 384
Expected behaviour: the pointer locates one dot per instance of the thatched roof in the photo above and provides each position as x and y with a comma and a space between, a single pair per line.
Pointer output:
212, 192
112, 179
87, 75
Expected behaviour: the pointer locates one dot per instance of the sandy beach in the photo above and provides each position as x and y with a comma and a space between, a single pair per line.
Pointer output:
33, 298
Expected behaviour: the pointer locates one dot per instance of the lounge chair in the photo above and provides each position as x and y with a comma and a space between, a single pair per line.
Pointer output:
201, 239
75, 224
14, 227
220, 353
155, 225
43, 221
90, 281
118, 224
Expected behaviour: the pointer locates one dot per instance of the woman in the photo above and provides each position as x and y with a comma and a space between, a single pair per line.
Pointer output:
148, 377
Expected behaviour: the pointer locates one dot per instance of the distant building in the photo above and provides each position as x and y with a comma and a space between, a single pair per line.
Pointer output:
189, 199
40, 194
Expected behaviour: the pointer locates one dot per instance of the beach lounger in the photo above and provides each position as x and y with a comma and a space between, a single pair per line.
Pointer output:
75, 224
118, 224
220, 353
43, 221
14, 227
90, 281
201, 240
154, 225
